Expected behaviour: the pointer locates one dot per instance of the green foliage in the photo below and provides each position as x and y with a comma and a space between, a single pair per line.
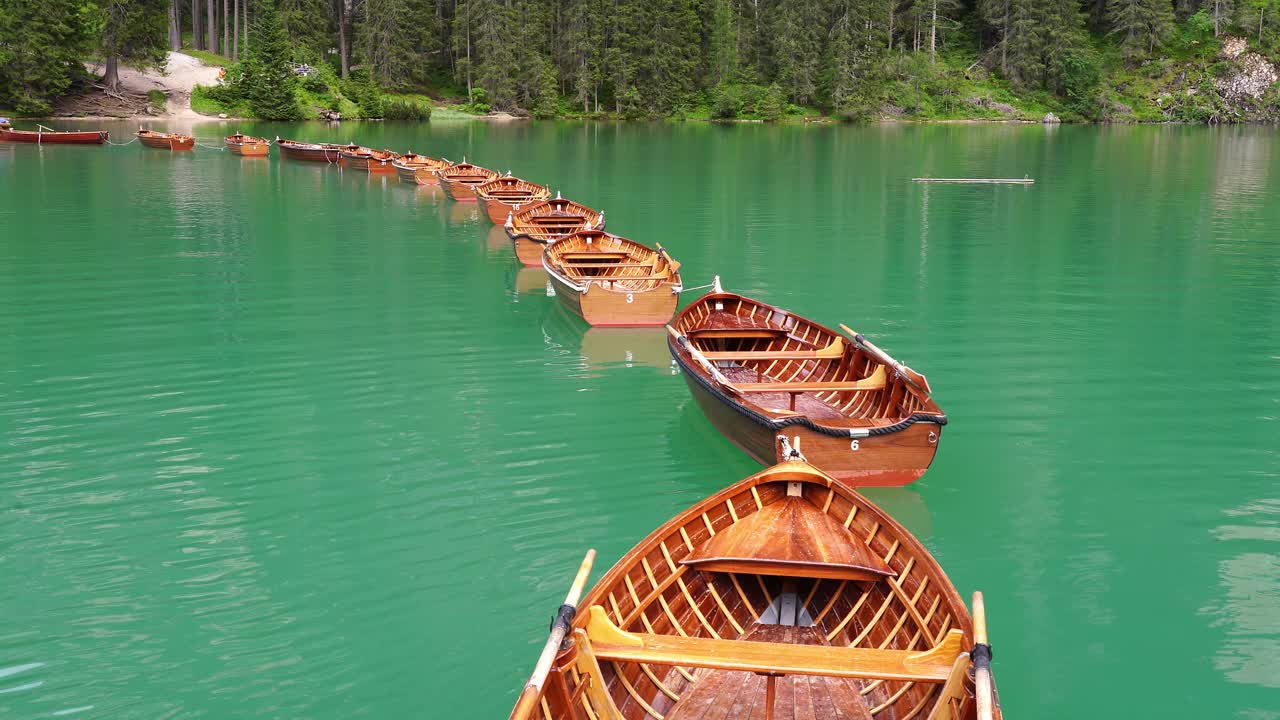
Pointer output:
1141, 24
157, 99
266, 78
405, 108
134, 31
41, 43
365, 93
726, 103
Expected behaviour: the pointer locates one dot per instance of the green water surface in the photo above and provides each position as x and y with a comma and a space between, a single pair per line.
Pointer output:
282, 441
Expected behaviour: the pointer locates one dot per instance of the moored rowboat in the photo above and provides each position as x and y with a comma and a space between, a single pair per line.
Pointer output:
312, 152
369, 160
45, 136
540, 224
505, 195
609, 280
459, 180
419, 169
756, 369
165, 141
785, 595
247, 146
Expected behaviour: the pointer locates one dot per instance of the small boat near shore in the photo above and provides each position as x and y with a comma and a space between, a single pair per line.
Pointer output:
757, 370
48, 136
785, 595
247, 146
420, 169
611, 281
312, 152
369, 160
165, 141
460, 180
504, 196
540, 224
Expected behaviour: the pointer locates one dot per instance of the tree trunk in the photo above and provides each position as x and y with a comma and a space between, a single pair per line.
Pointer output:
468, 24
175, 30
195, 24
342, 37
245, 9
112, 76
211, 40
933, 32
226, 31
235, 31
1004, 42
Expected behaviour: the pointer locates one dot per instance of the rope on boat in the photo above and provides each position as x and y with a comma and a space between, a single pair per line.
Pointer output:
700, 287
777, 425
211, 147
791, 451
134, 140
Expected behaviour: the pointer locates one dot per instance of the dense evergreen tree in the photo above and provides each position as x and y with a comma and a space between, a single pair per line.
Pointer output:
1141, 24
41, 44
134, 31
269, 81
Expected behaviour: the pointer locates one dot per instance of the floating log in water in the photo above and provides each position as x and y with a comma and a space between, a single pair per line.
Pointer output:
979, 181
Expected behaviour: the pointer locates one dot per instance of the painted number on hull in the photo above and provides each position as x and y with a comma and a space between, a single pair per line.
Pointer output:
853, 445
630, 298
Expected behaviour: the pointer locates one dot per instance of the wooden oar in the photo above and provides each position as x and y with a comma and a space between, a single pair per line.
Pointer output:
981, 660
560, 627
917, 380
701, 359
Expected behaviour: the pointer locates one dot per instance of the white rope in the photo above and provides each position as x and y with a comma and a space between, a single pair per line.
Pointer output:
700, 287
134, 140
211, 147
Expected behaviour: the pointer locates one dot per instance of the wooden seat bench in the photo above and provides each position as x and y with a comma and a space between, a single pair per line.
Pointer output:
834, 350
608, 642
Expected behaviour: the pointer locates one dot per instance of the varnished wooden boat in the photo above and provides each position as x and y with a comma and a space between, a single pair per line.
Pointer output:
756, 370
165, 141
460, 180
785, 595
369, 160
504, 196
419, 169
45, 136
538, 225
609, 280
312, 152
247, 146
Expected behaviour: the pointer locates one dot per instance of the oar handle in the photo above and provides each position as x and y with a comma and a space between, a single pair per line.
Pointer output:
559, 628
981, 656
911, 376
701, 359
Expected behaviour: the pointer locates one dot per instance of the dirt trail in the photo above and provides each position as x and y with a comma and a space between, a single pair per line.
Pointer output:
181, 74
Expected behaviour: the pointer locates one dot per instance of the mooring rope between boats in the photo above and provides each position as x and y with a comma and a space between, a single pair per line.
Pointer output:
700, 287
211, 147
134, 140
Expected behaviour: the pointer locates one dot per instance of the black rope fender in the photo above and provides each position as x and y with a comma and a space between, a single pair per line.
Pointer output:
563, 617
776, 425
981, 656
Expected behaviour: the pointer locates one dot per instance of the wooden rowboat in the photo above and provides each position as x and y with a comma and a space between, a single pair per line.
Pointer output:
538, 225
459, 180
369, 160
419, 169
756, 369
165, 141
45, 136
246, 146
611, 281
504, 196
785, 595
312, 152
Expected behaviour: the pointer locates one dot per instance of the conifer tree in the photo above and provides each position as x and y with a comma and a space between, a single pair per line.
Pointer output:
135, 31
270, 84
41, 43
1141, 24
799, 27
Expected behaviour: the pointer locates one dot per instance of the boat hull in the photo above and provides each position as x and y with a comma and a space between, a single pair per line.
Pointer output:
162, 143
462, 192
419, 175
602, 307
497, 210
93, 137
369, 165
893, 459
528, 251
310, 154
248, 149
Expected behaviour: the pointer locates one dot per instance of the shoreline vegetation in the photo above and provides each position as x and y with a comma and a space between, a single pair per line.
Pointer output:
793, 61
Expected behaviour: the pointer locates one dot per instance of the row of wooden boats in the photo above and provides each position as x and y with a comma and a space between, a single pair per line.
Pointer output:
785, 595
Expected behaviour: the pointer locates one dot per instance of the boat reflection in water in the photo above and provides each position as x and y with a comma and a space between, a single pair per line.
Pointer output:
464, 212
496, 243
528, 281
603, 348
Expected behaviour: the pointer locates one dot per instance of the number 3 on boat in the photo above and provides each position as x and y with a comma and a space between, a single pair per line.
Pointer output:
757, 371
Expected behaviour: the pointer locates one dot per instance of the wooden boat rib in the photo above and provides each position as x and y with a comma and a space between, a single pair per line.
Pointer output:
536, 226
312, 152
609, 280
165, 141
45, 136
785, 595
756, 369
247, 146
419, 169
504, 196
460, 180
369, 160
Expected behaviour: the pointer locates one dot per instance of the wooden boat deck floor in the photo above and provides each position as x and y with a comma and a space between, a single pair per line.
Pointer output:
732, 694
806, 403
